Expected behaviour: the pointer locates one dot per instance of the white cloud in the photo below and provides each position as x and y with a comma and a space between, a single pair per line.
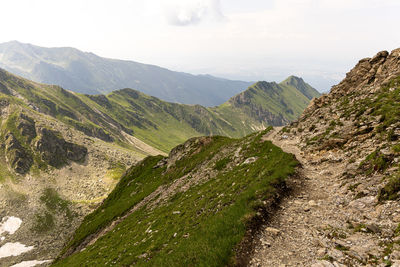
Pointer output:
190, 12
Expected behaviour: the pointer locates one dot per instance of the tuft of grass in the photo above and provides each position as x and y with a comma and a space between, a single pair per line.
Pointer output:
391, 190
221, 164
375, 161
396, 148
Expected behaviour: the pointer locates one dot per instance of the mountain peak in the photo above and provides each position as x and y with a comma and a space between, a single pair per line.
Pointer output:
294, 80
301, 85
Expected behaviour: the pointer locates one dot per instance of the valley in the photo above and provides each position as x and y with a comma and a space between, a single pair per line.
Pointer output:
64, 152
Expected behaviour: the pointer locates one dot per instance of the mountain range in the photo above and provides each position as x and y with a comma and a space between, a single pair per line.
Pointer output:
63, 152
161, 124
216, 201
88, 73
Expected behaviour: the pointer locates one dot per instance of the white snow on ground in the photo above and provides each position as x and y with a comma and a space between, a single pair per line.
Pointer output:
29, 263
13, 249
10, 225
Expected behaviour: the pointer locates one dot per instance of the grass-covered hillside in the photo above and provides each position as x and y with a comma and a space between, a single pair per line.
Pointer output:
189, 209
299, 84
128, 117
269, 103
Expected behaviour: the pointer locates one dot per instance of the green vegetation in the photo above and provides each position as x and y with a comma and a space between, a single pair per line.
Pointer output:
299, 84
161, 124
221, 164
55, 203
45, 219
375, 161
116, 170
391, 190
396, 148
43, 222
197, 227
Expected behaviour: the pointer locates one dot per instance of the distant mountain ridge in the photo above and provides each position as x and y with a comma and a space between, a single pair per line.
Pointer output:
88, 73
160, 124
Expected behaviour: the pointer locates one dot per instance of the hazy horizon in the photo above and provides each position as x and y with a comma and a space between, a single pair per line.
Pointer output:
257, 40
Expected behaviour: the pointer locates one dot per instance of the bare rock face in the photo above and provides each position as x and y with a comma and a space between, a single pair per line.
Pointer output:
56, 151
26, 126
19, 159
367, 76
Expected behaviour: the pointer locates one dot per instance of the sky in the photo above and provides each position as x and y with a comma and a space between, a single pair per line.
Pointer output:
319, 40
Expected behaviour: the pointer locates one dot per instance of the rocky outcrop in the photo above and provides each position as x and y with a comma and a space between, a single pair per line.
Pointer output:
349, 141
54, 150
17, 156
366, 77
26, 126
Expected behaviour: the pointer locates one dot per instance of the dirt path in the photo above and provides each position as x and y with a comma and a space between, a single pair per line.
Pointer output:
311, 227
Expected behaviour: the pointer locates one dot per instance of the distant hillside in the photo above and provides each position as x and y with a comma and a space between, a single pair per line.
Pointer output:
90, 74
126, 114
268, 103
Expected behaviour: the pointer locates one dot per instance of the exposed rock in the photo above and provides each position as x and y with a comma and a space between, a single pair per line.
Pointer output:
18, 158
56, 151
250, 160
322, 264
26, 126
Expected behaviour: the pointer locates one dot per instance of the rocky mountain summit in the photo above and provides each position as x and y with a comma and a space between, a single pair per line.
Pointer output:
345, 210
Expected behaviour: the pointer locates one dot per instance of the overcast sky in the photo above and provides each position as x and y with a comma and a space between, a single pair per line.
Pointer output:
319, 40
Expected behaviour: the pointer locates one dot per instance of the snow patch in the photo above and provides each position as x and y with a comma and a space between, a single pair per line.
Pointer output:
13, 249
10, 225
29, 263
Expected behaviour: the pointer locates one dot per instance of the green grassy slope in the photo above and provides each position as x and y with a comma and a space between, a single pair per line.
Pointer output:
300, 85
159, 124
268, 103
216, 186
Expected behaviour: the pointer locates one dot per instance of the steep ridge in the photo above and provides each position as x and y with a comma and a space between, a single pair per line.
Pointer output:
300, 85
90, 74
190, 208
346, 212
271, 103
